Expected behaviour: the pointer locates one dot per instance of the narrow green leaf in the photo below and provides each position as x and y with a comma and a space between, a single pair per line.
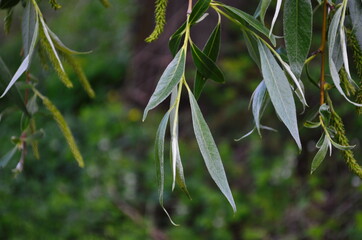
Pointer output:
198, 10
309, 124
29, 26
48, 45
211, 49
205, 65
175, 151
259, 103
24, 66
252, 46
61, 46
263, 7
341, 147
355, 10
169, 79
279, 91
159, 156
297, 32
13, 95
321, 154
241, 16
332, 33
276, 14
175, 39
5, 159
209, 150
325, 113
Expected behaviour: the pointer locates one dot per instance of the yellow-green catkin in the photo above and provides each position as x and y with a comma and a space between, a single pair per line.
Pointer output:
105, 3
348, 155
80, 74
357, 57
34, 144
55, 5
53, 59
346, 84
8, 20
62, 124
160, 19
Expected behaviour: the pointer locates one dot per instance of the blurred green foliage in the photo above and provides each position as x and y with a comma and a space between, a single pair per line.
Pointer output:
115, 195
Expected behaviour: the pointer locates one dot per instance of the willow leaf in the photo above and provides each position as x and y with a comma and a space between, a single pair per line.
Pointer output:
263, 7
159, 156
252, 47
279, 91
298, 32
61, 46
259, 103
13, 94
24, 66
276, 14
175, 151
175, 39
29, 27
5, 159
242, 16
211, 49
198, 10
355, 10
209, 150
321, 154
169, 79
332, 33
205, 65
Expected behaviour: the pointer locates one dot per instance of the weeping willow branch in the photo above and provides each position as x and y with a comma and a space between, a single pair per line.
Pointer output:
160, 19
322, 50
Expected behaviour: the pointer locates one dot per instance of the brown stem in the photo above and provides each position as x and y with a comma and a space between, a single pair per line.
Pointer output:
322, 50
189, 9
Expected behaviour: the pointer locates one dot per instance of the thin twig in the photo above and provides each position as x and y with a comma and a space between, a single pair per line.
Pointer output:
323, 52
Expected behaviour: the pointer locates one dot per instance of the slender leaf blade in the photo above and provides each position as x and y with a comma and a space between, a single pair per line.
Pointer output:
242, 16
28, 26
169, 79
205, 65
159, 156
14, 94
5, 159
175, 151
321, 154
211, 49
279, 91
297, 32
209, 150
175, 39
198, 10
355, 10
259, 102
332, 34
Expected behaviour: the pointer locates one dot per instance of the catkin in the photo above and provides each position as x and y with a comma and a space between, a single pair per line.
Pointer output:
62, 124
80, 74
53, 59
357, 57
160, 19
348, 155
346, 84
